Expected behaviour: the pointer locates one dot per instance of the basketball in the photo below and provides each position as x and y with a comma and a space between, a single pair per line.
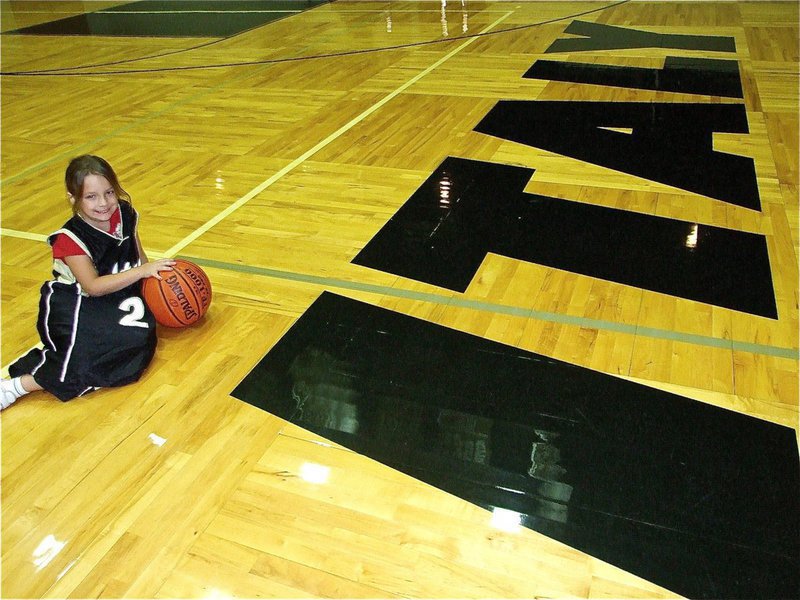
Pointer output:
181, 297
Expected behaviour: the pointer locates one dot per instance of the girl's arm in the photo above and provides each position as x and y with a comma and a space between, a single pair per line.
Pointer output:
93, 284
140, 248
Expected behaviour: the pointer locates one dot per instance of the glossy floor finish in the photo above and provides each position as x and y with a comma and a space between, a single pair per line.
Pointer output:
652, 482
670, 142
466, 209
193, 18
602, 36
505, 299
689, 75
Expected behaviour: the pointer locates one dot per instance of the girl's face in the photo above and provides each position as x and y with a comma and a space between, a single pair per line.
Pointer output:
97, 202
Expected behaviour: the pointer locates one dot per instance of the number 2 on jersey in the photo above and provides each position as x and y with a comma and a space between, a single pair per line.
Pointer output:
134, 306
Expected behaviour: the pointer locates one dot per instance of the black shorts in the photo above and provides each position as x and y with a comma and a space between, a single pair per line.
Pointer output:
89, 342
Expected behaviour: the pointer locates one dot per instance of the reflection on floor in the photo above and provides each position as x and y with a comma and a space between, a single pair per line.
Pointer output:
687, 75
671, 143
467, 208
165, 18
599, 36
681, 493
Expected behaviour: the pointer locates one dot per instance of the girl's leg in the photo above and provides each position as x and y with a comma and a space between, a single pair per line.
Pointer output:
13, 389
29, 384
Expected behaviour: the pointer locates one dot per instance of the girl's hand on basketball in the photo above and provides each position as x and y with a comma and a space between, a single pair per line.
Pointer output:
151, 269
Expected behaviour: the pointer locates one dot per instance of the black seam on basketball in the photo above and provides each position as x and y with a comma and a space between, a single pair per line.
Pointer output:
200, 274
175, 314
168, 306
180, 317
190, 285
166, 303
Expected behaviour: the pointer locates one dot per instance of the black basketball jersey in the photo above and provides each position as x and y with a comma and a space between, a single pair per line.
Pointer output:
92, 341
109, 253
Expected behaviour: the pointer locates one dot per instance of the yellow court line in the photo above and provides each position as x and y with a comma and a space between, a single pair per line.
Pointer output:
309, 153
36, 237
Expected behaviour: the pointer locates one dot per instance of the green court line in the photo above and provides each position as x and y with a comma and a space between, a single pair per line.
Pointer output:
516, 311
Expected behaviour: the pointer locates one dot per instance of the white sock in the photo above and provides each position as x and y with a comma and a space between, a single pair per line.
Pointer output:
12, 390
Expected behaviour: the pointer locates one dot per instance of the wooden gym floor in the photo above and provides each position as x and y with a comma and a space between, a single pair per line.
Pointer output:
454, 348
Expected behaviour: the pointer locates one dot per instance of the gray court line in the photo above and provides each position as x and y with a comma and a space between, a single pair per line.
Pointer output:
516, 311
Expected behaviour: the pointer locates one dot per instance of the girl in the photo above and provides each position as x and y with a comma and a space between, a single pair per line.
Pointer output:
96, 329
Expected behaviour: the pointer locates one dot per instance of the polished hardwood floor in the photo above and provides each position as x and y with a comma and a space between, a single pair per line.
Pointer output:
272, 156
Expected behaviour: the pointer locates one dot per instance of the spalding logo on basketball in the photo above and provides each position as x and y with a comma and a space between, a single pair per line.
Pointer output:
181, 297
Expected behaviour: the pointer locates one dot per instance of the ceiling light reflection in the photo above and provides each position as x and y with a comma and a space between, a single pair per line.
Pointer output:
506, 520
314, 473
46, 551
157, 439
445, 186
691, 239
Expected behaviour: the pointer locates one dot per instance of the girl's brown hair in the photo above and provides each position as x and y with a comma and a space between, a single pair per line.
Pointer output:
88, 164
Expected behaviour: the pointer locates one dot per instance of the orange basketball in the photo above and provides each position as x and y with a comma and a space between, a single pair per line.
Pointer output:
181, 297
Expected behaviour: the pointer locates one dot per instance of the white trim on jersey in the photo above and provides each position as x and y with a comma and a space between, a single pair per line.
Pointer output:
64, 273
41, 362
74, 335
47, 315
75, 239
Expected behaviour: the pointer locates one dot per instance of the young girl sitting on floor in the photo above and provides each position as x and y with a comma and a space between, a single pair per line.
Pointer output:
94, 325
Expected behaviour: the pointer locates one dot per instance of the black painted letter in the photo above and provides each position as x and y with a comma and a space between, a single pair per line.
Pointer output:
670, 143
608, 37
467, 208
685, 75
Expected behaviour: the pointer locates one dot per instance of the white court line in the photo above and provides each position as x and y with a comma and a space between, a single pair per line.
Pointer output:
309, 153
292, 165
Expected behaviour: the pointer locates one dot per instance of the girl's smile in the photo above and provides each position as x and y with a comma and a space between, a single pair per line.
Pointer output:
98, 201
